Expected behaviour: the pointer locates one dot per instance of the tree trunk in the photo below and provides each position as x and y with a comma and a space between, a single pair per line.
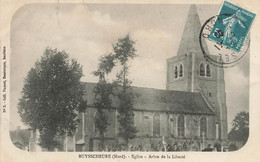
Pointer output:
124, 81
126, 143
102, 141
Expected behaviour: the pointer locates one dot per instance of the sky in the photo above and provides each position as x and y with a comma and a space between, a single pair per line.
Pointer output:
87, 31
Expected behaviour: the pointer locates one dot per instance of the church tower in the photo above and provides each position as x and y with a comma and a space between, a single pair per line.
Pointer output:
190, 71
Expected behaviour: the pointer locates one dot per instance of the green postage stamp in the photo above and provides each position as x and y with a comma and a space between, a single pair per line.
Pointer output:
232, 26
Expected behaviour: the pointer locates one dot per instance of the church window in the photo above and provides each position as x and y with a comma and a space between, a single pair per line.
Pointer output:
202, 69
156, 125
219, 132
181, 130
208, 70
176, 72
172, 126
146, 125
181, 71
203, 126
97, 115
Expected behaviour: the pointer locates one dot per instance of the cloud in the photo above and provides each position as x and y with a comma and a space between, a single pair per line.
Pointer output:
153, 42
153, 47
244, 64
102, 19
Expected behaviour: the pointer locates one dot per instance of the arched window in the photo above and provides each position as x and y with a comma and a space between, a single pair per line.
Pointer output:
208, 70
203, 126
97, 123
175, 72
181, 71
172, 126
147, 125
156, 124
202, 69
181, 130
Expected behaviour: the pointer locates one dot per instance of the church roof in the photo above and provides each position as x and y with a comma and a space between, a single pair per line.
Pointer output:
190, 36
150, 99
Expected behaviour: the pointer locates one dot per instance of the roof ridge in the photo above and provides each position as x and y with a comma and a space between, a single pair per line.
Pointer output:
151, 88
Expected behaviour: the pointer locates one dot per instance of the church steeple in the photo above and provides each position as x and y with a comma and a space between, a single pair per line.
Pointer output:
190, 71
190, 36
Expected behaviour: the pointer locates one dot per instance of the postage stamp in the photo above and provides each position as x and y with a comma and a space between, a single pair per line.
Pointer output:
215, 52
228, 35
232, 26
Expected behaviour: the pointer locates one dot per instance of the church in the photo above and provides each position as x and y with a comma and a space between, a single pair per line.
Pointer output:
191, 108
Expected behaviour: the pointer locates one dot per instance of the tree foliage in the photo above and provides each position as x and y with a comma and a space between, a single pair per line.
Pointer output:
124, 50
52, 96
240, 127
103, 91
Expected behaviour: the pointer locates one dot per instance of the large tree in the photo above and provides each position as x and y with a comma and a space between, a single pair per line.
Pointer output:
103, 91
124, 50
240, 127
52, 97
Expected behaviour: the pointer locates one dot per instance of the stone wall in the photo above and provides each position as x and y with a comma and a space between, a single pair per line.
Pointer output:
144, 122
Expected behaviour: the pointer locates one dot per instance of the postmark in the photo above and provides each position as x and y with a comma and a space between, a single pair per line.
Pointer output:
215, 52
224, 38
232, 26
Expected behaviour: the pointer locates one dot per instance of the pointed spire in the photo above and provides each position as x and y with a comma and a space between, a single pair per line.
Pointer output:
190, 36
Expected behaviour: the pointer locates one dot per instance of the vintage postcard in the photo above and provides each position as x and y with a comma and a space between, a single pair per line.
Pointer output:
129, 81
